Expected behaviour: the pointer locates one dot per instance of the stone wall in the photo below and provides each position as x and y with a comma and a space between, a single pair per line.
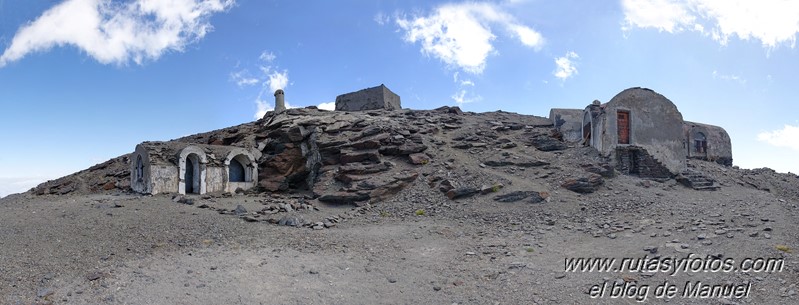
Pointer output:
374, 98
634, 160
215, 179
568, 122
719, 146
163, 179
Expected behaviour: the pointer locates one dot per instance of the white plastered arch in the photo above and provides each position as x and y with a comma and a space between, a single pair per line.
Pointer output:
247, 160
199, 167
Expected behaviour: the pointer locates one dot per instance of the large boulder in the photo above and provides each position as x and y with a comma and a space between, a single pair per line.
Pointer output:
584, 185
546, 143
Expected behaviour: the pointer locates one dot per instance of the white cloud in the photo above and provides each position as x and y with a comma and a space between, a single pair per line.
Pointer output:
463, 96
13, 185
327, 106
772, 22
462, 82
243, 79
460, 34
566, 66
262, 107
788, 137
270, 79
528, 36
114, 32
278, 80
664, 15
273, 80
267, 56
381, 18
729, 77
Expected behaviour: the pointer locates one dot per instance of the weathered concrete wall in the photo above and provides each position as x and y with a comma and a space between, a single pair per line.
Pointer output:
595, 122
655, 125
163, 179
140, 179
568, 122
374, 98
719, 145
215, 179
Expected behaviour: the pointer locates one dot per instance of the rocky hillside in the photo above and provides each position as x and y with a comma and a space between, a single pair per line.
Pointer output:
356, 158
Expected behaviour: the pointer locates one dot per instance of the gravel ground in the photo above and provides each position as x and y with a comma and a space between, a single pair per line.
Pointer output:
128, 249
96, 243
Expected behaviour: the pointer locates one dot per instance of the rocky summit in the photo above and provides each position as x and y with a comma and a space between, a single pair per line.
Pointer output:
398, 206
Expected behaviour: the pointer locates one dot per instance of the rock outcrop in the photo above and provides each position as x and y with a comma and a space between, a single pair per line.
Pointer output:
366, 157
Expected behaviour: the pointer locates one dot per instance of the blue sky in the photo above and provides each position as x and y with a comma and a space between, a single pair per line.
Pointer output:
82, 81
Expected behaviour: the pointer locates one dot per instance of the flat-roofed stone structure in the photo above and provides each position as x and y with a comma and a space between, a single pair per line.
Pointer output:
374, 98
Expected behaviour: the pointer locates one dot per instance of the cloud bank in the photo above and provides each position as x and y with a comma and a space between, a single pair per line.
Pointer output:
13, 185
460, 34
787, 137
117, 32
772, 22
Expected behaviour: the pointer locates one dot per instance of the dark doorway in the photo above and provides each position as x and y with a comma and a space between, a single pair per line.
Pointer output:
700, 143
139, 169
236, 171
587, 135
623, 126
190, 176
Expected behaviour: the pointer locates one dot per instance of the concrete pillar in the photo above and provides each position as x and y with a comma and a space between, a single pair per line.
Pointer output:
280, 103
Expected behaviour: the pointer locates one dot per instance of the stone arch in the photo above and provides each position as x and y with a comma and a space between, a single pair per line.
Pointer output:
249, 165
192, 164
140, 170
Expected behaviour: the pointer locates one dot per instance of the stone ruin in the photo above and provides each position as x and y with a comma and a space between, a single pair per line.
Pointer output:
639, 131
643, 133
190, 168
220, 166
374, 98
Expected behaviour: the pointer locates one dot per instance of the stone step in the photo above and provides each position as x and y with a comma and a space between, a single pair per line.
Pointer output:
697, 180
706, 188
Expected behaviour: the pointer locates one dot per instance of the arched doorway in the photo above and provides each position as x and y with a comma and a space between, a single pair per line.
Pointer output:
192, 175
700, 144
242, 170
139, 169
192, 161
236, 170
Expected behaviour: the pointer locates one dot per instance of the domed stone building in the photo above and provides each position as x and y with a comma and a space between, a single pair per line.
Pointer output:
643, 134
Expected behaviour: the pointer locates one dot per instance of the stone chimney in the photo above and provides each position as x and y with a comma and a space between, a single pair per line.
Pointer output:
280, 103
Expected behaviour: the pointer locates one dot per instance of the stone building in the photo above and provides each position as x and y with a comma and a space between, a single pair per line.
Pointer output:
188, 168
708, 142
643, 133
567, 121
374, 98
